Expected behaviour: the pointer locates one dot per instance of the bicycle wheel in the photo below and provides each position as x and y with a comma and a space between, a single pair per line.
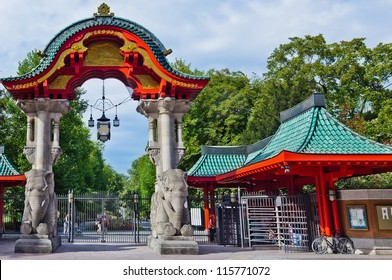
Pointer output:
345, 246
319, 245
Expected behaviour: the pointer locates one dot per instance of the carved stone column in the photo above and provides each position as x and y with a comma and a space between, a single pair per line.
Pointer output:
42, 114
165, 132
167, 149
39, 222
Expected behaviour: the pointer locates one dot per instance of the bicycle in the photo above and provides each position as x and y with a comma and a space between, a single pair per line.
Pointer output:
343, 245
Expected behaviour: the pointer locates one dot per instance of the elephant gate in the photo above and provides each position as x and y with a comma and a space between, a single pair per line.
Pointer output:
103, 46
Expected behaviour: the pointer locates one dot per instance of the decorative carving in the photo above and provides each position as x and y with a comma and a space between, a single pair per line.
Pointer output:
147, 81
60, 106
29, 153
56, 153
169, 208
44, 104
154, 155
166, 105
186, 85
60, 82
39, 215
180, 153
104, 11
104, 54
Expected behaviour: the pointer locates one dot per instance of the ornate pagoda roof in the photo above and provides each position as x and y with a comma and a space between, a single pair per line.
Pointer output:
105, 46
307, 128
60, 38
9, 174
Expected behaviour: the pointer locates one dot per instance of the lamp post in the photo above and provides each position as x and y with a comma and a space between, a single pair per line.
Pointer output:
136, 216
220, 197
332, 194
70, 215
233, 197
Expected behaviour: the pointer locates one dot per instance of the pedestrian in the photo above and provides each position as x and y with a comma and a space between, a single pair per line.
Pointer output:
211, 227
105, 224
99, 225
66, 223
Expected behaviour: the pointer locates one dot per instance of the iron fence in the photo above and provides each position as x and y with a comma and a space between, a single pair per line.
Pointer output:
127, 218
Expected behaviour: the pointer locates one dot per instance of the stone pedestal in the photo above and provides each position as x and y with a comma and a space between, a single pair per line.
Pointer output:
173, 245
35, 243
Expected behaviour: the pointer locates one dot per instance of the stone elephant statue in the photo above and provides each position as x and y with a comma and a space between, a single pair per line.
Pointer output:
169, 207
40, 207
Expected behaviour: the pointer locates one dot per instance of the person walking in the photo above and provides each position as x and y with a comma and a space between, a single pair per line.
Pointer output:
211, 228
66, 223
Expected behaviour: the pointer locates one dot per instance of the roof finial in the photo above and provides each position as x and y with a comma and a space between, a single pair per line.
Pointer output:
104, 11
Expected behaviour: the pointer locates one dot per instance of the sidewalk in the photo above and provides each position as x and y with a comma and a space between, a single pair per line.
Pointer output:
107, 251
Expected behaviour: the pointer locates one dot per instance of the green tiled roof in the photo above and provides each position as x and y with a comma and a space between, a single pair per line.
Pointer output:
218, 159
6, 167
306, 128
55, 44
211, 165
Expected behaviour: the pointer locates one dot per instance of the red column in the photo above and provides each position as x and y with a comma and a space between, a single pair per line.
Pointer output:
335, 210
206, 208
320, 205
325, 206
212, 200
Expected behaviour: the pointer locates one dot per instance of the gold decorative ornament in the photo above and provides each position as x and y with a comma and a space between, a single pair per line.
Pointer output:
147, 81
104, 11
106, 53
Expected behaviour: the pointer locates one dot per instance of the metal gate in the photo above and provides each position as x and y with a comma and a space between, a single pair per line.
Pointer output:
109, 218
282, 221
103, 218
228, 224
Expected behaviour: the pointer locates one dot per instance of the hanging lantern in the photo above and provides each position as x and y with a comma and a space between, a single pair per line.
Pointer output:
103, 128
91, 120
116, 121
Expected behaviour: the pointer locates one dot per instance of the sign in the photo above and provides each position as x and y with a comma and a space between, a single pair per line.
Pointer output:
357, 216
384, 216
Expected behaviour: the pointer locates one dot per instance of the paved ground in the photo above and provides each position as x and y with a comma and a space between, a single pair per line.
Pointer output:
107, 251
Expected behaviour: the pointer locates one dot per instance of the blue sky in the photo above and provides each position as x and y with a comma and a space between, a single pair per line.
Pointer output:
234, 34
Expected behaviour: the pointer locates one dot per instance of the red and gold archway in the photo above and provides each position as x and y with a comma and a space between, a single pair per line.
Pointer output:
105, 47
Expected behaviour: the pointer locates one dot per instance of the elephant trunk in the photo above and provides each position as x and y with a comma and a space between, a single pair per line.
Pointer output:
38, 205
177, 203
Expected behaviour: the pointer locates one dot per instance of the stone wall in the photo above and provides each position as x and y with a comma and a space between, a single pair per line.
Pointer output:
366, 217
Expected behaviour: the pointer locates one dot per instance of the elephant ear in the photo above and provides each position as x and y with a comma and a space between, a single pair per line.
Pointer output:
166, 181
48, 179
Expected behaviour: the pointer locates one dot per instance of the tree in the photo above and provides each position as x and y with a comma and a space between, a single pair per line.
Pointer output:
351, 75
220, 113
142, 176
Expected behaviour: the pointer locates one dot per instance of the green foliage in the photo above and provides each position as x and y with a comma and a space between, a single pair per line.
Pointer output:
351, 75
29, 63
13, 131
141, 178
220, 113
375, 181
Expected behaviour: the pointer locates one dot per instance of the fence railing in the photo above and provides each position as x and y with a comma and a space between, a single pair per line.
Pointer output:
81, 218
